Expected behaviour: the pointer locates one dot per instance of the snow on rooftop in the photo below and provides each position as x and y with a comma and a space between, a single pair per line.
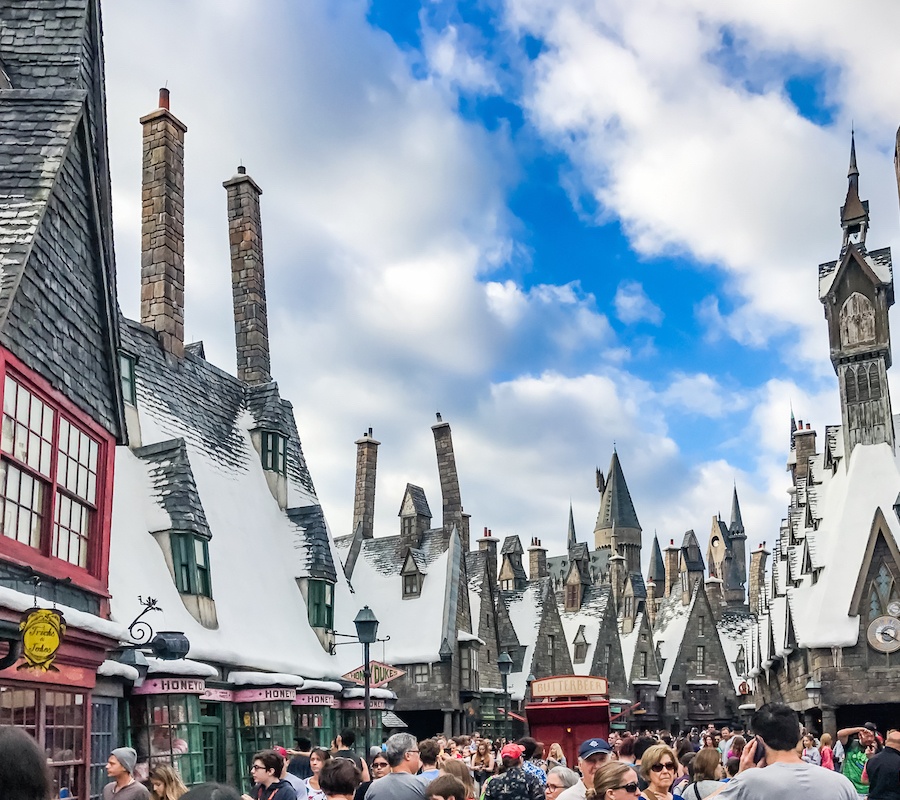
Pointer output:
465, 636
265, 679
671, 621
629, 643
19, 601
384, 694
181, 666
590, 615
525, 611
732, 629
115, 669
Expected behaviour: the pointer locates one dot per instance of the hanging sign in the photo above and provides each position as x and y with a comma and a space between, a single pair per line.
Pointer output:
42, 634
569, 686
381, 674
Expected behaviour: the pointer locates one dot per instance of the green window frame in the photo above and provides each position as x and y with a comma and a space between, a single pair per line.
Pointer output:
274, 452
166, 729
190, 558
321, 603
316, 723
129, 381
260, 726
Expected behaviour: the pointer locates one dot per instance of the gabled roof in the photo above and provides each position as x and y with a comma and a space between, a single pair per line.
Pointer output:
588, 619
511, 544
690, 552
668, 632
266, 406
314, 541
616, 506
418, 501
876, 263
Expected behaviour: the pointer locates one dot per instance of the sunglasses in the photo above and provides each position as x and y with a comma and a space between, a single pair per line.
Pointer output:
660, 767
631, 788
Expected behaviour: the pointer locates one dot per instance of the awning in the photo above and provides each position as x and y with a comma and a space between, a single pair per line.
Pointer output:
390, 720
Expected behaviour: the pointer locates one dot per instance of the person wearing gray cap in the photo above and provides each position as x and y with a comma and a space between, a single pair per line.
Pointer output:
120, 767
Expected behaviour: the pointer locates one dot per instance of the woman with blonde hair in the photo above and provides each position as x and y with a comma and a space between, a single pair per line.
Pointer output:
659, 766
555, 757
166, 783
616, 780
460, 769
826, 752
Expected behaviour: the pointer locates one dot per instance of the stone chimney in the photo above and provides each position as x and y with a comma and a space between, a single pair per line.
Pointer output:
248, 279
537, 560
162, 226
488, 545
672, 561
451, 504
805, 443
757, 577
364, 497
652, 603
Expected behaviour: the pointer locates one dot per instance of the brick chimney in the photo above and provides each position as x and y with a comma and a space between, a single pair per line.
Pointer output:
672, 563
162, 226
805, 444
488, 545
537, 560
451, 502
758, 559
364, 497
248, 279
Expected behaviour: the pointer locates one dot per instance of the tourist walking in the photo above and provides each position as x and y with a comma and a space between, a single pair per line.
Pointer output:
402, 753
855, 741
592, 755
659, 767
266, 771
558, 780
513, 783
615, 781
883, 770
810, 753
120, 767
460, 769
826, 753
317, 759
166, 783
781, 772
707, 772
339, 779
482, 762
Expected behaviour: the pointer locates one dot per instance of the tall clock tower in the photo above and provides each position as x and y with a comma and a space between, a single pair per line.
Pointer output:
857, 290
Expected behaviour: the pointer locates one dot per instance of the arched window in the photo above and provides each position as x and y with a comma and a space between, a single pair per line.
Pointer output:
850, 385
862, 384
884, 590
874, 382
857, 320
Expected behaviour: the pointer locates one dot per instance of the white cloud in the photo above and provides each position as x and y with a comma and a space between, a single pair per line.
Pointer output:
451, 60
701, 394
633, 305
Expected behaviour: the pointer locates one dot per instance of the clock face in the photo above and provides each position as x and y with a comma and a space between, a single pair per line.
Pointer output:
884, 634
894, 608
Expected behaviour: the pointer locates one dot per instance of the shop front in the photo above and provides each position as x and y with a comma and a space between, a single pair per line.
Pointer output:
263, 720
353, 716
314, 715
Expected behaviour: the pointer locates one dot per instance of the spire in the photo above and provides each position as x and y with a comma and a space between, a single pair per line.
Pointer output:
571, 540
737, 524
657, 572
616, 506
854, 212
793, 428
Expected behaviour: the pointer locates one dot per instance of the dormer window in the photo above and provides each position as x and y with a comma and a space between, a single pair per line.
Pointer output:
581, 646
507, 585
320, 603
190, 557
274, 452
411, 576
468, 667
411, 585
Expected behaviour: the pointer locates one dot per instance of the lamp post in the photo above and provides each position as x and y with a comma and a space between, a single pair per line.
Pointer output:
367, 632
814, 691
505, 665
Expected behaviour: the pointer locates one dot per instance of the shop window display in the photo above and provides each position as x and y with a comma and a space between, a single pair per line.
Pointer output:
165, 729
261, 726
314, 723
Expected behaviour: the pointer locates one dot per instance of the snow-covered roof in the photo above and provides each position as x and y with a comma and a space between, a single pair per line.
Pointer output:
629, 643
526, 609
181, 666
19, 601
240, 678
671, 621
732, 628
590, 616
879, 261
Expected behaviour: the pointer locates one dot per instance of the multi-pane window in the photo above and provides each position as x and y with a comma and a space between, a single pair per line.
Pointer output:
320, 603
642, 656
190, 557
48, 471
701, 659
420, 673
129, 384
701, 624
411, 586
165, 729
581, 649
468, 666
274, 452
103, 741
551, 651
604, 663
507, 585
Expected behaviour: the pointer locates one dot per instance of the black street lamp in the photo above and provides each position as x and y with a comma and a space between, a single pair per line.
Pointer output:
505, 665
367, 632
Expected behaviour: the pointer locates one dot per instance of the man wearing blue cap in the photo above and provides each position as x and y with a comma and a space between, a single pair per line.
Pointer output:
592, 755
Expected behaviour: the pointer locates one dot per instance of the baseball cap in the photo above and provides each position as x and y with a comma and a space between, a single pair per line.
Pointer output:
512, 751
871, 726
592, 747
281, 751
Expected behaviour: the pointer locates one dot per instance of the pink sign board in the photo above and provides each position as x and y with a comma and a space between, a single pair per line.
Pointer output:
264, 695
218, 695
374, 703
315, 700
171, 686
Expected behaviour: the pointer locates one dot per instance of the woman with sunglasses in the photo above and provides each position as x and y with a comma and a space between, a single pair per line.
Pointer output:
616, 781
558, 780
659, 766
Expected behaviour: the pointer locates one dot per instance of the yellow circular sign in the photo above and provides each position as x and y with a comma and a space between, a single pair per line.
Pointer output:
42, 634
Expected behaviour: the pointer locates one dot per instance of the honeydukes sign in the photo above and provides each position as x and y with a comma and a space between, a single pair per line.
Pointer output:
42, 634
381, 674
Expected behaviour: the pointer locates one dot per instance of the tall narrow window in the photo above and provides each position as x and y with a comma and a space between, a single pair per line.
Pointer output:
643, 663
129, 382
274, 452
551, 648
701, 660
874, 382
701, 624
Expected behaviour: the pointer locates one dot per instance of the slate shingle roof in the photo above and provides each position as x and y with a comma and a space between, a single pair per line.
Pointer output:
616, 506
314, 541
420, 502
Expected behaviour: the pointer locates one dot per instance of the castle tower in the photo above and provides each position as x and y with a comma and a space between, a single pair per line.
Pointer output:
617, 511
857, 290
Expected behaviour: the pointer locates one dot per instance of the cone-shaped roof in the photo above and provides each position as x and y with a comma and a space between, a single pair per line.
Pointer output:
616, 506
657, 572
854, 210
737, 524
571, 541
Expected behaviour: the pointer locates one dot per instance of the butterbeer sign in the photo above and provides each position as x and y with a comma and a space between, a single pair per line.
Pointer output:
42, 634
381, 674
569, 686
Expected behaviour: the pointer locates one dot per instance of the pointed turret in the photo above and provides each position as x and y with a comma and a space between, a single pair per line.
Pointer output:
571, 540
737, 524
854, 212
657, 573
617, 509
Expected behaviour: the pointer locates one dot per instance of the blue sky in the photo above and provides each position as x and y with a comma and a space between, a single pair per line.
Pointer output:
561, 223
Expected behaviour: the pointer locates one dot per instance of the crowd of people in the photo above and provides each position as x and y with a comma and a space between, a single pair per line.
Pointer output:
776, 758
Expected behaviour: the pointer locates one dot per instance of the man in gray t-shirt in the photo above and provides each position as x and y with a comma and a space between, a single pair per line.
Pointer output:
402, 753
781, 772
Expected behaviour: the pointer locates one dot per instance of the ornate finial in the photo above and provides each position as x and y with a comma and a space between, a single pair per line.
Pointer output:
854, 170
